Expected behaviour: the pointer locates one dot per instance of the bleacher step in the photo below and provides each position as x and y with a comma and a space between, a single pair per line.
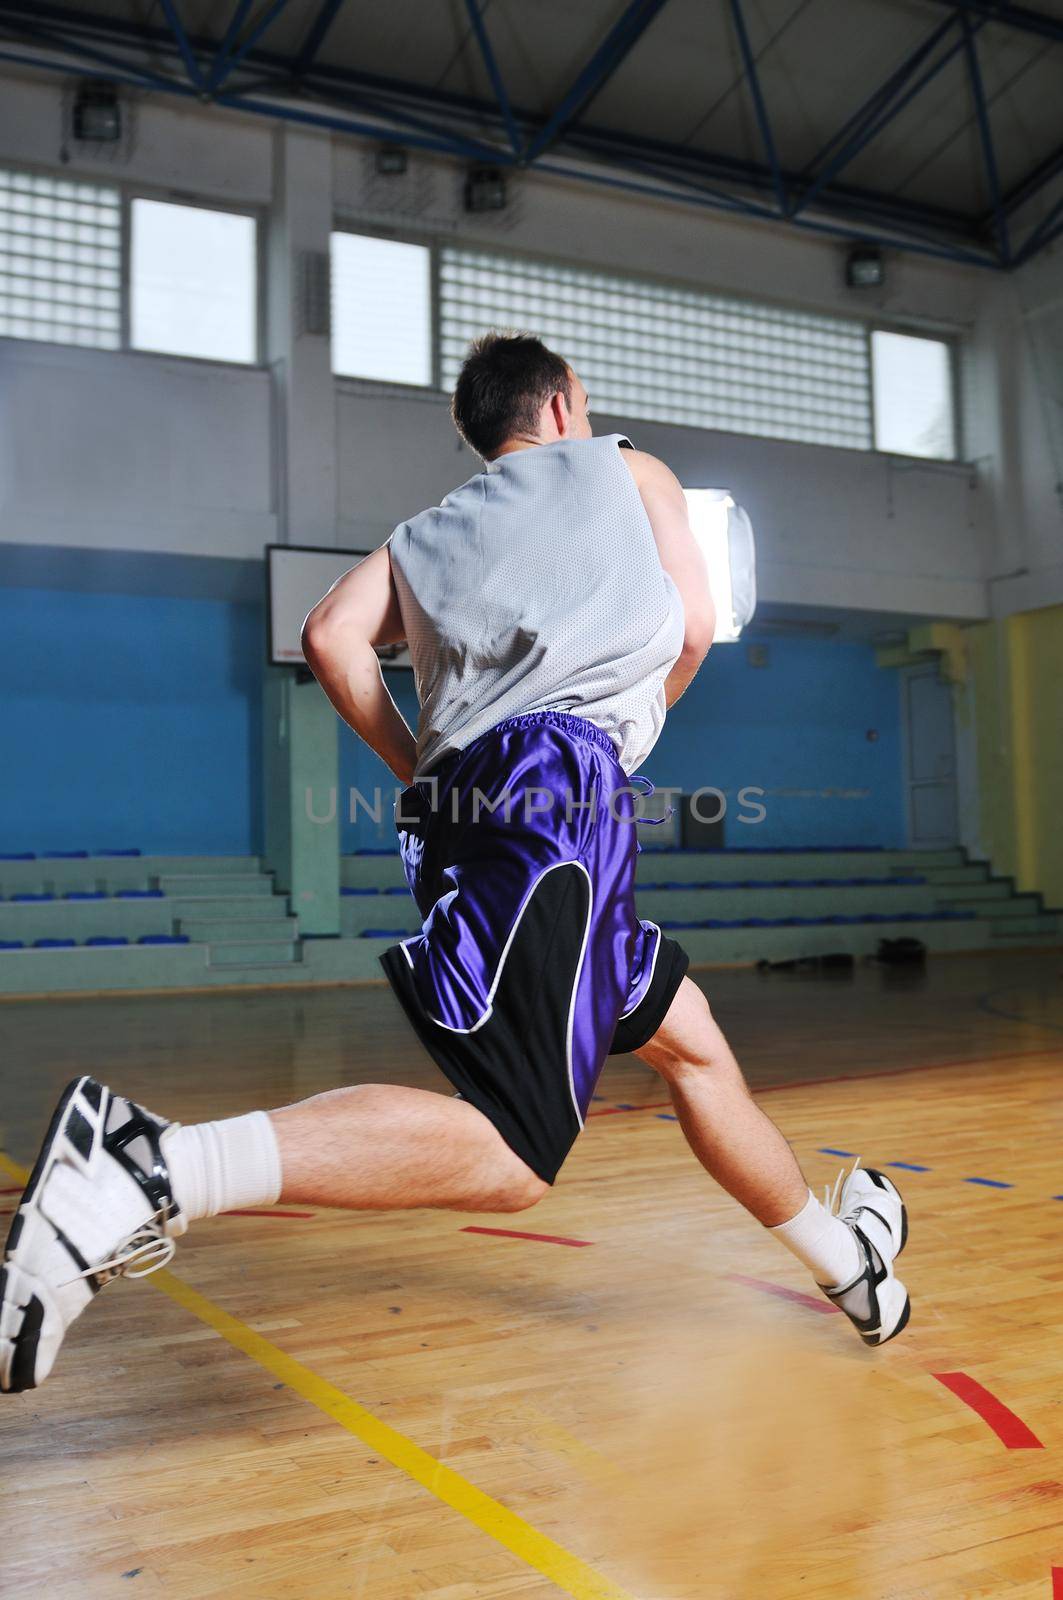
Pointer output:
228, 883
221, 930
252, 952
212, 907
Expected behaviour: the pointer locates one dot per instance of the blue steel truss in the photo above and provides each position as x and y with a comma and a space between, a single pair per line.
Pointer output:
239, 70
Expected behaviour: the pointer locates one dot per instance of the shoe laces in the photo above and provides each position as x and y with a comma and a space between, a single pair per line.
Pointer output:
832, 1197
145, 1250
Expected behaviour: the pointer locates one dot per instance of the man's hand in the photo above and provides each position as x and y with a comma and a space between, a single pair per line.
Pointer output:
360, 611
666, 506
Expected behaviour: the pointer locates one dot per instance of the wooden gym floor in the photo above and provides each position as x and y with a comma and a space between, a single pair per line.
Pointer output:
642, 1402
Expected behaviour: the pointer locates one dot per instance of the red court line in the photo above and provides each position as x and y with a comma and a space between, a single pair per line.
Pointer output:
10, 1191
1057, 1583
540, 1238
268, 1213
1009, 1428
783, 1293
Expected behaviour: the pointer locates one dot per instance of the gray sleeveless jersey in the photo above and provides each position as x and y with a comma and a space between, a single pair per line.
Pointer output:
537, 586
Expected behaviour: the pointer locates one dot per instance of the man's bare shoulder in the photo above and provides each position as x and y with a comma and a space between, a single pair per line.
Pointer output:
648, 471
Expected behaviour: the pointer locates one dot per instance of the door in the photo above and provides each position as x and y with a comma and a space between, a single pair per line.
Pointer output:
931, 760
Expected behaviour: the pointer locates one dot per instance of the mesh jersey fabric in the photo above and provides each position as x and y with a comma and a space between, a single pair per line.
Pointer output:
537, 585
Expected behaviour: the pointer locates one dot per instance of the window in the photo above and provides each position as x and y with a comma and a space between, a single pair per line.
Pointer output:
913, 395
646, 349
193, 282
60, 260
381, 309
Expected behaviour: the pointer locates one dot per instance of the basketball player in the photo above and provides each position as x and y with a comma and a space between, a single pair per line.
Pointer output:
554, 606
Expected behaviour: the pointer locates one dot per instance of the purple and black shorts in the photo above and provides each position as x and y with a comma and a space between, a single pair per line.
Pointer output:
531, 965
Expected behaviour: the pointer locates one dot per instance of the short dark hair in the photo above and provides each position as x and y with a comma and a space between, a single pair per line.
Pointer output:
505, 381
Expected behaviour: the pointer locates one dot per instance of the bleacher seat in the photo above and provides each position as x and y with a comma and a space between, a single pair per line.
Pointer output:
163, 938
26, 896
12, 944
129, 851
84, 894
107, 939
385, 933
17, 855
64, 855
139, 894
54, 944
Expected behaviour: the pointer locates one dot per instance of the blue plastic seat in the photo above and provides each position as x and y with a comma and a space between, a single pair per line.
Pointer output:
140, 894
17, 855
163, 938
129, 851
26, 896
12, 944
359, 891
85, 894
54, 944
107, 938
385, 933
64, 855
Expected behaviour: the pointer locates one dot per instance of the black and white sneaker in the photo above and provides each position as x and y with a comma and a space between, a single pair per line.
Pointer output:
875, 1302
99, 1205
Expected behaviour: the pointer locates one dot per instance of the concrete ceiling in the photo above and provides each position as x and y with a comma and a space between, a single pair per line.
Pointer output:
949, 115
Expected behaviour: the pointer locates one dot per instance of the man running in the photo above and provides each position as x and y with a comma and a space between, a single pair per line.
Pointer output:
553, 606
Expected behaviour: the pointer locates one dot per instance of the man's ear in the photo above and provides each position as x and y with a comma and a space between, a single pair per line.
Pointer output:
560, 412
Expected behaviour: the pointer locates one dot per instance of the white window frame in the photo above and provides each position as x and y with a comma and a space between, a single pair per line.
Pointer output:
435, 242
127, 193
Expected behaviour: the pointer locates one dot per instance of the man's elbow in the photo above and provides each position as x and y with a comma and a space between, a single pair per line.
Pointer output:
698, 633
320, 637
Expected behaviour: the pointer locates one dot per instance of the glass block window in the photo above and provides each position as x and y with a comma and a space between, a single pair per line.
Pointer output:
913, 395
381, 309
60, 260
670, 354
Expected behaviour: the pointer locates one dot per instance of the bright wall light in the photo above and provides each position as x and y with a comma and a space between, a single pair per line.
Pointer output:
725, 535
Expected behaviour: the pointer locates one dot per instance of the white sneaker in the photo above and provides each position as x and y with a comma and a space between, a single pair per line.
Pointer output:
98, 1206
875, 1302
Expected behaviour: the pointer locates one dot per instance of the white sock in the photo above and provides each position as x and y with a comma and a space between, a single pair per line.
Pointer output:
823, 1242
220, 1166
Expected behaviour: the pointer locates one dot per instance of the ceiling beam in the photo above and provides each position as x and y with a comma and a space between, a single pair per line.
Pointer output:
1008, 16
759, 106
605, 61
177, 28
219, 66
985, 134
326, 16
883, 107
476, 22
455, 124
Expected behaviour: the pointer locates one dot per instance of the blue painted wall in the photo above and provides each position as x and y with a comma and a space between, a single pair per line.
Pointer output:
796, 728
130, 721
136, 720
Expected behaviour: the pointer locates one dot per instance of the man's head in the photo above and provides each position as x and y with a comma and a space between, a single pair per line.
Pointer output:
512, 391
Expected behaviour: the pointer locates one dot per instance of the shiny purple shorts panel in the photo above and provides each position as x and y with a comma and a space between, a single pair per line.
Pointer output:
531, 965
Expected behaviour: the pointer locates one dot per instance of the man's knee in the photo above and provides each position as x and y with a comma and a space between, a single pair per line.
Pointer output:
521, 1190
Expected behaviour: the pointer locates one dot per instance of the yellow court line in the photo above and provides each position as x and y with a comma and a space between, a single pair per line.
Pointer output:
567, 1571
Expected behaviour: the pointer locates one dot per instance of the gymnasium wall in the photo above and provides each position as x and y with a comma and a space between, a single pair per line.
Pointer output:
182, 455
1014, 672
130, 720
796, 727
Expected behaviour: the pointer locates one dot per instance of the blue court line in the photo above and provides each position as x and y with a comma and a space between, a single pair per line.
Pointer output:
909, 1166
825, 1150
666, 1116
990, 1183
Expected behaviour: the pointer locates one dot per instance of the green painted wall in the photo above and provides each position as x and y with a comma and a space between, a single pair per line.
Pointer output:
1014, 688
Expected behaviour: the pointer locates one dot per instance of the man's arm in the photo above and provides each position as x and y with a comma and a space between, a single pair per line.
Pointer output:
666, 507
362, 610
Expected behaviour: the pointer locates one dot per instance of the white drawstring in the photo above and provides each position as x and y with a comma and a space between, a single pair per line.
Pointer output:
831, 1197
146, 1250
